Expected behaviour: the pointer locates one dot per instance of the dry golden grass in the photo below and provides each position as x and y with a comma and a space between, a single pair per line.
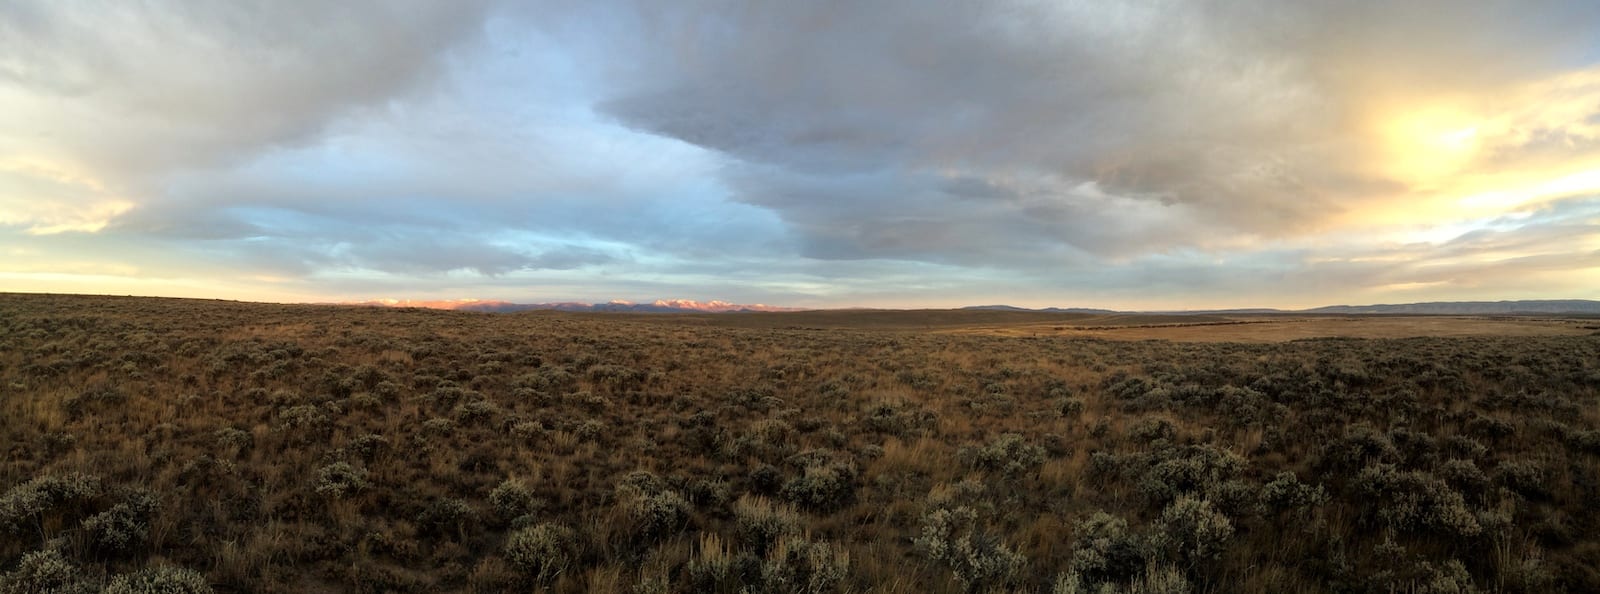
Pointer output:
336, 449
1265, 329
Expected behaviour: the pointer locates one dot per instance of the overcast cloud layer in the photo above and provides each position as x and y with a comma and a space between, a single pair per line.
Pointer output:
1135, 155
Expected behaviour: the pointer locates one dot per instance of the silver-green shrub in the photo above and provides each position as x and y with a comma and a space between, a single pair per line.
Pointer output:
1191, 531
160, 579
45, 572
541, 552
23, 505
977, 558
339, 480
761, 523
511, 499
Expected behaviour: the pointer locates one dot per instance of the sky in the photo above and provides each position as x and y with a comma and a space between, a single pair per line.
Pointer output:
1181, 154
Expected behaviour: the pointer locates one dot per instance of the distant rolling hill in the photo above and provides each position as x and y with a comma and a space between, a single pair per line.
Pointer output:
1082, 310
1547, 306
1470, 308
657, 306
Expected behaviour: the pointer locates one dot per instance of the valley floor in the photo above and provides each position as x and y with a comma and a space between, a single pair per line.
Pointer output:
233, 447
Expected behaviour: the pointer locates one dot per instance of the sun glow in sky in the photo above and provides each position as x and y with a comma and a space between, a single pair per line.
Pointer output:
1139, 155
1427, 146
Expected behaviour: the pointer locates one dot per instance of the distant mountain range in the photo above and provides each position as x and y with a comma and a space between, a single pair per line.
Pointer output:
657, 306
1548, 306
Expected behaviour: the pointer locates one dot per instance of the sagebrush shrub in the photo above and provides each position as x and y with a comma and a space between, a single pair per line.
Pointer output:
96, 398
977, 558
445, 517
339, 480
1152, 429
511, 499
1359, 447
303, 417
449, 395
712, 565
1413, 501
1191, 531
476, 411
1286, 493
386, 389
968, 492
1191, 469
123, 529
1156, 579
1466, 477
1525, 477
1070, 406
547, 380
823, 487
438, 426
1009, 454
367, 447
1449, 577
541, 552
527, 430
655, 510
589, 431
618, 377
1461, 446
899, 418
234, 439
767, 439
45, 572
710, 494
765, 478
827, 482
160, 579
797, 565
22, 506
760, 523
1105, 550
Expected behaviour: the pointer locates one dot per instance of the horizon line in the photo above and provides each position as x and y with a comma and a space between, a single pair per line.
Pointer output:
734, 307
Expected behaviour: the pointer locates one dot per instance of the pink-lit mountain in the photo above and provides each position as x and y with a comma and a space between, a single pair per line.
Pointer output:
657, 306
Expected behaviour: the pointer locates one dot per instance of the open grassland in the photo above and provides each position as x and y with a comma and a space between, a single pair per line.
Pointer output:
1279, 328
920, 320
261, 448
1245, 327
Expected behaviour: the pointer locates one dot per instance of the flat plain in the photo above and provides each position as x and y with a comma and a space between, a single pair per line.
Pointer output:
1279, 328
278, 448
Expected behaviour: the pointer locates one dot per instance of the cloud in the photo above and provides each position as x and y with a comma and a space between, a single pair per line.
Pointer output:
1243, 118
1547, 249
809, 153
129, 89
386, 138
46, 201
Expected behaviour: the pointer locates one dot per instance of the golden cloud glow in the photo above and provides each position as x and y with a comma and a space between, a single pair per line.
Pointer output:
1422, 147
1534, 190
49, 198
56, 172
1466, 158
1410, 286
